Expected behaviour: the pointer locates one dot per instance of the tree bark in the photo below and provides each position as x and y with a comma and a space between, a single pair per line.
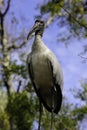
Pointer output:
7, 78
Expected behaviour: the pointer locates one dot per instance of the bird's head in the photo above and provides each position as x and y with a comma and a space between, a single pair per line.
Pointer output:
37, 28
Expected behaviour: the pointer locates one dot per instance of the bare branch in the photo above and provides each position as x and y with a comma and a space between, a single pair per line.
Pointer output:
19, 85
17, 46
7, 87
2, 28
85, 58
1, 61
21, 45
7, 8
85, 48
49, 21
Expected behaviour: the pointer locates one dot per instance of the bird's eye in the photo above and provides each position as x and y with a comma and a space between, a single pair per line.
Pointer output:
39, 21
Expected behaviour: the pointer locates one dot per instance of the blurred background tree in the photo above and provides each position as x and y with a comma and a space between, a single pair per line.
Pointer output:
19, 107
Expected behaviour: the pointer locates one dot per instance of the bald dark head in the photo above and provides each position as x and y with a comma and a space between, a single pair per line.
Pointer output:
37, 28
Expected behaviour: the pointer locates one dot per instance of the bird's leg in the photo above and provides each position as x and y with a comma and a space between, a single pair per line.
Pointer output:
51, 128
52, 105
40, 116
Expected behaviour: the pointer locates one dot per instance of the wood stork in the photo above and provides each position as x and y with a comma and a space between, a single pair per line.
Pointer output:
45, 72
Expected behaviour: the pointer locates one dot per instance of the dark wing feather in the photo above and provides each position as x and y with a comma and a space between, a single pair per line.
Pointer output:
55, 82
31, 75
56, 87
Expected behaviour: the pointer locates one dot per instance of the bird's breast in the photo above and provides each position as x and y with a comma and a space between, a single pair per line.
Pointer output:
42, 73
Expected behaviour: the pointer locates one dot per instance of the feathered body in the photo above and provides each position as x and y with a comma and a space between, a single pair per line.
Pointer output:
46, 75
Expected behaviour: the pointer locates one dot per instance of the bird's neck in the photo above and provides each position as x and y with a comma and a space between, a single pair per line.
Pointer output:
39, 32
38, 39
38, 43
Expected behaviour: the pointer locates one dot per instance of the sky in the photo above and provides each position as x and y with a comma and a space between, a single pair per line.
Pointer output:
73, 68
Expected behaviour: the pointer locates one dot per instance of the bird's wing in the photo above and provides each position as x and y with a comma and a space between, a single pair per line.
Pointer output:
57, 79
30, 70
31, 75
29, 66
55, 69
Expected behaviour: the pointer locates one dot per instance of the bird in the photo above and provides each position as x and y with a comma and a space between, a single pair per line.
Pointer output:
45, 72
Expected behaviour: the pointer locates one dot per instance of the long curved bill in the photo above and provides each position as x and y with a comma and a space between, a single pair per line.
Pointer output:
33, 29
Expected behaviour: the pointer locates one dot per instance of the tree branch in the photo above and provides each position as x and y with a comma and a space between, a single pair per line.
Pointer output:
1, 61
49, 21
19, 85
77, 21
7, 87
21, 45
1, 29
85, 58
70, 14
7, 8
17, 46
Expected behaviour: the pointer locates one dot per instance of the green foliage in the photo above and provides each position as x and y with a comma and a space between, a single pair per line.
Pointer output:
52, 7
3, 100
80, 112
74, 11
82, 94
63, 120
23, 110
16, 69
46, 119
63, 123
20, 110
4, 121
67, 119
